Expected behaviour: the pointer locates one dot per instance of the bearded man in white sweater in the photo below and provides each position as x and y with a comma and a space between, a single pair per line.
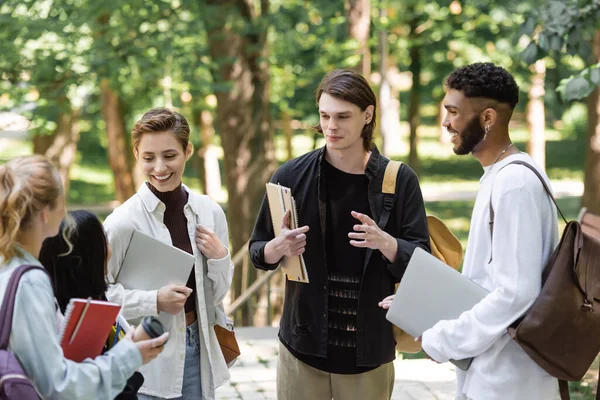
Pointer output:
480, 100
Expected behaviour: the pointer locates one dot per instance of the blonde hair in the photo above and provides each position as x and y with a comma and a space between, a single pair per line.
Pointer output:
27, 185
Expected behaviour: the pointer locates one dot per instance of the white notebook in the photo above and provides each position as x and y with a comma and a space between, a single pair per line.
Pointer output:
150, 264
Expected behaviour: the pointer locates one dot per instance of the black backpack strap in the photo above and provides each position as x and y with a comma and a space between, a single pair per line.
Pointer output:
548, 191
8, 303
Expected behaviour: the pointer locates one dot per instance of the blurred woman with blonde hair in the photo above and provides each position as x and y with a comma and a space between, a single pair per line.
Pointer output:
32, 206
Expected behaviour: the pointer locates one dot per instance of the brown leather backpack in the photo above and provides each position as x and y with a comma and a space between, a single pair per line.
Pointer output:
561, 331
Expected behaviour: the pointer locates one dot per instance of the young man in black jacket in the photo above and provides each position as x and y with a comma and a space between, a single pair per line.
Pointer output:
335, 340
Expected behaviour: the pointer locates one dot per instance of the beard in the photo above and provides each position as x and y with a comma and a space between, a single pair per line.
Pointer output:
469, 137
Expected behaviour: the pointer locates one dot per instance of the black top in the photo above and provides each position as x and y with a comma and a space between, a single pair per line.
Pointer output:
176, 223
304, 325
344, 193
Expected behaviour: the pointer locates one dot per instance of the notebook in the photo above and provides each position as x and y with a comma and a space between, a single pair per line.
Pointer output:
150, 264
280, 200
86, 328
431, 291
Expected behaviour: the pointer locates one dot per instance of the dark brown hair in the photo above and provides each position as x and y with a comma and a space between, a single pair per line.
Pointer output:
77, 266
162, 120
351, 87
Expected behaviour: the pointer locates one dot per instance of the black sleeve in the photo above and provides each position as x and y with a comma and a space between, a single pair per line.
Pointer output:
412, 223
133, 385
263, 228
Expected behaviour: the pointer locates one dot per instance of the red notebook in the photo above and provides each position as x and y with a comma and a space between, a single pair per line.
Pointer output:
86, 328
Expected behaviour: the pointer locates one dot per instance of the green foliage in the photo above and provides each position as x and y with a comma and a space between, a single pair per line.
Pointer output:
575, 122
566, 26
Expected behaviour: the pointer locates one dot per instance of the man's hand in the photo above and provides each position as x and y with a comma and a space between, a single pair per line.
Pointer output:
387, 302
369, 235
209, 243
289, 242
419, 340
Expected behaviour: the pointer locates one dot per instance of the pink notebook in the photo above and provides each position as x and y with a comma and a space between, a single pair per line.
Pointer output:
86, 328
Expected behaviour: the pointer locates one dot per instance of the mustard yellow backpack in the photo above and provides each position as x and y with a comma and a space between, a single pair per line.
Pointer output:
444, 245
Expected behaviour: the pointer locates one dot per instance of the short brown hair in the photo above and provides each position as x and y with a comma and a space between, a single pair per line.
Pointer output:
351, 87
162, 120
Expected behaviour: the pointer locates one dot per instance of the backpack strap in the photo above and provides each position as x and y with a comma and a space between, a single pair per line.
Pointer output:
8, 303
388, 188
548, 191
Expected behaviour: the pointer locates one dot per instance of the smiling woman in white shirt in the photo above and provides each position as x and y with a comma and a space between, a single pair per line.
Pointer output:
32, 206
192, 365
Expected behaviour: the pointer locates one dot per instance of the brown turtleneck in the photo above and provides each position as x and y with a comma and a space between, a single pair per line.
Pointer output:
176, 223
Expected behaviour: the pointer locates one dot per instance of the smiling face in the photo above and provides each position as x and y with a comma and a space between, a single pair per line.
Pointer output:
462, 122
342, 122
162, 159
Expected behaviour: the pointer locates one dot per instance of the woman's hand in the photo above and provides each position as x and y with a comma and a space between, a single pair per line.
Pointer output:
209, 243
171, 298
150, 348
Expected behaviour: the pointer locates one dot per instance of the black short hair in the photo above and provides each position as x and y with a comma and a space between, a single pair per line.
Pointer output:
81, 272
485, 80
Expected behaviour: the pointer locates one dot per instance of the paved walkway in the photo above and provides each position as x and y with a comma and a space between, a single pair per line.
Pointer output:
253, 376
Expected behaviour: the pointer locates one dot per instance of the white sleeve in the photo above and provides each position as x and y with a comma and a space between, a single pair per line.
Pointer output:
516, 271
220, 271
135, 303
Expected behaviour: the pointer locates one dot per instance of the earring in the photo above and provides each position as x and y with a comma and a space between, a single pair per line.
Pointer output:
486, 130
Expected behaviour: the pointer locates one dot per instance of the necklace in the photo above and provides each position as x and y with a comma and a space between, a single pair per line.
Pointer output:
500, 155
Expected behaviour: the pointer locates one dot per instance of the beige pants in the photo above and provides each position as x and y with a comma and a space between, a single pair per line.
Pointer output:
299, 381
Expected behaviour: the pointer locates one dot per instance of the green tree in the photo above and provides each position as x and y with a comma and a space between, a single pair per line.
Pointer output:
573, 27
42, 70
237, 39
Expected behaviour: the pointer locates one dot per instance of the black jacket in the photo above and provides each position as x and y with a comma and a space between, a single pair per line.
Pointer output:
303, 325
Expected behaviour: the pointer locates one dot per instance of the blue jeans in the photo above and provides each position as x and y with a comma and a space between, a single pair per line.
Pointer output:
192, 383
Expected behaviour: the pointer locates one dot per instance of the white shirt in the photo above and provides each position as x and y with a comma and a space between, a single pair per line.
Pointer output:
145, 212
525, 234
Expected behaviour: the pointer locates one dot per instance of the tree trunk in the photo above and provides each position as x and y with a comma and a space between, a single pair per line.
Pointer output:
210, 156
243, 117
415, 100
591, 192
198, 159
444, 137
118, 148
61, 146
536, 115
358, 13
385, 99
286, 126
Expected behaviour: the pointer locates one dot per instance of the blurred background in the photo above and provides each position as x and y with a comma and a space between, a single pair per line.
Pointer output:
76, 74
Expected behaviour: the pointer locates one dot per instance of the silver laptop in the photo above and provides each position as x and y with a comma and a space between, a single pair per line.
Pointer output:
150, 264
431, 291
